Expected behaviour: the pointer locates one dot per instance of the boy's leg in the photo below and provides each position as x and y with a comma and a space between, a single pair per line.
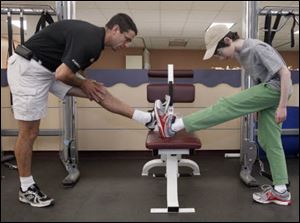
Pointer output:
269, 138
251, 100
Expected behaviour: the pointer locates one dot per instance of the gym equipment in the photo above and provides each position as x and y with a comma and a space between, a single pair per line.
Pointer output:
289, 134
279, 12
248, 153
69, 153
171, 150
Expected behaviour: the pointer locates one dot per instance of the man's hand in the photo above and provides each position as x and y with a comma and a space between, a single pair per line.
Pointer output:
280, 114
94, 90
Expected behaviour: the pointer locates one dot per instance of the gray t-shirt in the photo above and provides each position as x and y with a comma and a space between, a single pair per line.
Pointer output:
262, 62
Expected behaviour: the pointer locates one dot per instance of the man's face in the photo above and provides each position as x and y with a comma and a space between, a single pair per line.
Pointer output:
121, 40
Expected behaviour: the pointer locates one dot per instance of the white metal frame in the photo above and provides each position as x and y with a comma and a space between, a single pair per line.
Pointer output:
171, 159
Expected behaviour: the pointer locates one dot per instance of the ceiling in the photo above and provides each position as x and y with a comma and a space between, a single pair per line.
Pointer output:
159, 22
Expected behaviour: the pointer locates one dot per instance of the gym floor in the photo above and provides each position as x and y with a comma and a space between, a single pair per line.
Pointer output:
111, 188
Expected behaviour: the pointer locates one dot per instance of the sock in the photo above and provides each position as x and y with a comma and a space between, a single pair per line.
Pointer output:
177, 125
141, 116
26, 182
280, 188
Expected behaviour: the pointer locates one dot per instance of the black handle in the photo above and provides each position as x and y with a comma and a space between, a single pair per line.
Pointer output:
171, 93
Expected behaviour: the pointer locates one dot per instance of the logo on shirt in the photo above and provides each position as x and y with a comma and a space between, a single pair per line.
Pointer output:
76, 64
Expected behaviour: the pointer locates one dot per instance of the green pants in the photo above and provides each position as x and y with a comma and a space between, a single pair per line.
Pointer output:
260, 98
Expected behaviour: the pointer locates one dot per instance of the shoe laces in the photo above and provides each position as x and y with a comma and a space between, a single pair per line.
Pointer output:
37, 191
266, 187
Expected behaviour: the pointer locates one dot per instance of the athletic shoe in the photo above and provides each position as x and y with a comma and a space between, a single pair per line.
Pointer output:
164, 120
269, 195
152, 124
35, 197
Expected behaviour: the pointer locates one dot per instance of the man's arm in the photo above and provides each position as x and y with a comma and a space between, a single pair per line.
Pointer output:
285, 82
82, 73
94, 91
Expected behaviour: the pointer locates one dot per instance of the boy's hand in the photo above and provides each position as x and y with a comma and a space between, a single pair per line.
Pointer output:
280, 114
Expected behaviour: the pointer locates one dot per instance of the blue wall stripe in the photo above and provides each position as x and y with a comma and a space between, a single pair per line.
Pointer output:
212, 78
134, 78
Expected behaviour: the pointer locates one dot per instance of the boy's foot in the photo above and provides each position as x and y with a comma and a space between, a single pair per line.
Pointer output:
269, 195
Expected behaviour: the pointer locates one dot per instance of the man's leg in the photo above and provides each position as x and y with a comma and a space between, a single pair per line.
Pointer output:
29, 192
109, 102
117, 106
28, 132
29, 83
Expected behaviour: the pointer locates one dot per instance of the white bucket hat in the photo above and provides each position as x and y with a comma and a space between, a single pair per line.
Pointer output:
212, 37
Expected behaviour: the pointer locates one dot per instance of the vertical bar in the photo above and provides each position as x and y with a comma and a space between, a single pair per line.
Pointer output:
69, 154
170, 73
10, 33
170, 83
248, 146
22, 27
66, 10
249, 31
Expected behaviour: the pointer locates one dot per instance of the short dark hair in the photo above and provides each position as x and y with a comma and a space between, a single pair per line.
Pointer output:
232, 35
123, 21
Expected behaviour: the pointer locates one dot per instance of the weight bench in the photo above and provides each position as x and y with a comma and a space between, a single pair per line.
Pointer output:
172, 149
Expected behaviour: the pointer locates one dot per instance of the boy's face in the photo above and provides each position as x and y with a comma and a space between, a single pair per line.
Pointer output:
227, 52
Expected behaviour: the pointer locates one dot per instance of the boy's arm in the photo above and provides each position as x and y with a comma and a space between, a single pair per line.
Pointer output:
285, 82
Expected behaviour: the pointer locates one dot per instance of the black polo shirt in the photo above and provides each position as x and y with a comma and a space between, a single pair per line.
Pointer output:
73, 42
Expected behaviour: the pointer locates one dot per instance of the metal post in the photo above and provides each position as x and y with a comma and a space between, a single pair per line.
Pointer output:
248, 146
69, 153
172, 185
171, 87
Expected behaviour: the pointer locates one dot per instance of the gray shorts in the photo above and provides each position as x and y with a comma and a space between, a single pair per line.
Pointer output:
30, 83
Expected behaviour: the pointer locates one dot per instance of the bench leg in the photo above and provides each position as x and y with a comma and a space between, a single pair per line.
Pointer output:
172, 188
172, 174
190, 163
150, 164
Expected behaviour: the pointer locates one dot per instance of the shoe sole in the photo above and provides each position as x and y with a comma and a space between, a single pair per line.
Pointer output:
51, 202
273, 201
